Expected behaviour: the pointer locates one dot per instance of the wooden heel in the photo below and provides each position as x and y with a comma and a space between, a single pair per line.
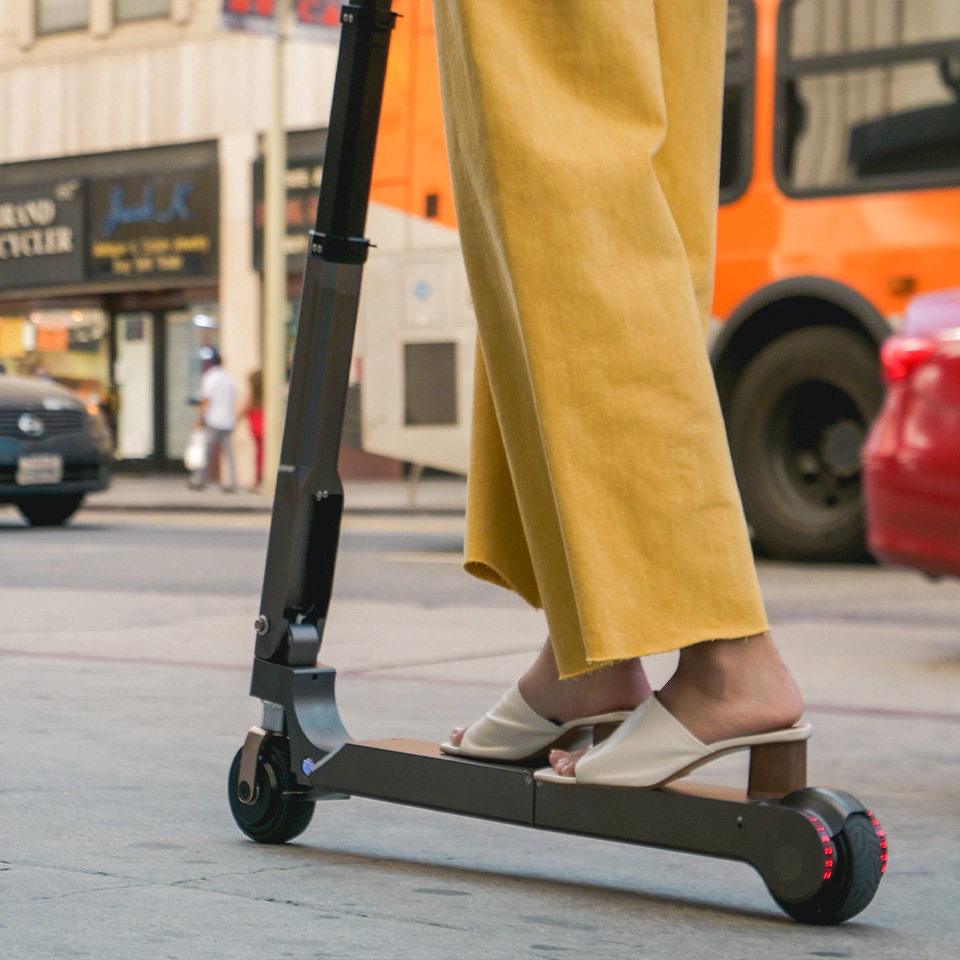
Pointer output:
603, 730
777, 769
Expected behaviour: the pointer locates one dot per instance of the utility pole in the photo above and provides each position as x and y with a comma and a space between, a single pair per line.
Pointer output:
275, 260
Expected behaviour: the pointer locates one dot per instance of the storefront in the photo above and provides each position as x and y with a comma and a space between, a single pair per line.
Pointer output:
305, 151
109, 285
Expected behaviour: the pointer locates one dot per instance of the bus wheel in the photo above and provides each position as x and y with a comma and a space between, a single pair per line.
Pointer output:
797, 421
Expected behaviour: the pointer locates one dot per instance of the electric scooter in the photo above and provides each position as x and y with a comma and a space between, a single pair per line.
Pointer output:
819, 851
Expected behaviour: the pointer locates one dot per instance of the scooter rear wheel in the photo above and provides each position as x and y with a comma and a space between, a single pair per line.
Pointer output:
859, 859
276, 815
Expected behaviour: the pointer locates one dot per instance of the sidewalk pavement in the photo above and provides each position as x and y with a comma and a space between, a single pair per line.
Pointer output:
162, 492
124, 680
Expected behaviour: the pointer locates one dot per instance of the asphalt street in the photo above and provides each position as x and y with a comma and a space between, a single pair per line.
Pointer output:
124, 666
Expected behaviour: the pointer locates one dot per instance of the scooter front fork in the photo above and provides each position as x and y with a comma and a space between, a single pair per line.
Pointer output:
299, 704
271, 725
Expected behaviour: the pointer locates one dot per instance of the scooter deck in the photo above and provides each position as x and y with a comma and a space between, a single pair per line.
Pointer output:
710, 820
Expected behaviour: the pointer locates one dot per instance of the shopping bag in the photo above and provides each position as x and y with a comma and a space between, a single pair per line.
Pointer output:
195, 455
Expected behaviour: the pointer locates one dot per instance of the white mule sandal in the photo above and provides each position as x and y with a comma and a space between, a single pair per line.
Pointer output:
652, 748
512, 730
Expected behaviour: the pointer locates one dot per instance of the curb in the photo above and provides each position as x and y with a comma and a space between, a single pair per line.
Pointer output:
239, 509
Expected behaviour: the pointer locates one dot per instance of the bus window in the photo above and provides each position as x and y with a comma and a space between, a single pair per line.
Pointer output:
868, 95
735, 152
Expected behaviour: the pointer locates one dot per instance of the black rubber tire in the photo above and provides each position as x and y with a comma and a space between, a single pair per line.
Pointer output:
796, 423
49, 510
857, 871
275, 816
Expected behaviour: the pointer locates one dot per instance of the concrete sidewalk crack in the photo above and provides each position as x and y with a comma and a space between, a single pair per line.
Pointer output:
329, 911
80, 893
238, 873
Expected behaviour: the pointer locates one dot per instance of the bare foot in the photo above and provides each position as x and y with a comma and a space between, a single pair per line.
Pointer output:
723, 689
619, 686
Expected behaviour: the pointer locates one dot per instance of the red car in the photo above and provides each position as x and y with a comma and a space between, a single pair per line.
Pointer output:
912, 455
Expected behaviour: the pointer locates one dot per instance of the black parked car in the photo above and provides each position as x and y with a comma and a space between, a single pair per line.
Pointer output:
52, 451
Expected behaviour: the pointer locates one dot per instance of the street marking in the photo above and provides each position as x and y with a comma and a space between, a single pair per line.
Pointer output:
390, 676
423, 556
360, 523
169, 518
399, 524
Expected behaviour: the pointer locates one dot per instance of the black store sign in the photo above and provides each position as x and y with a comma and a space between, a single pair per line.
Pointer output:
303, 192
41, 235
158, 225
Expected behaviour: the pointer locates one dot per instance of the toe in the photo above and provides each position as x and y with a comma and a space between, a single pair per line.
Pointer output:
564, 762
456, 736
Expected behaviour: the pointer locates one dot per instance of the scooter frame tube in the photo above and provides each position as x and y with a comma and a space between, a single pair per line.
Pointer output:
308, 501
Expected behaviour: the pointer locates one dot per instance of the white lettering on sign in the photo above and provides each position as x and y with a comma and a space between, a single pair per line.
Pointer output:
32, 213
36, 243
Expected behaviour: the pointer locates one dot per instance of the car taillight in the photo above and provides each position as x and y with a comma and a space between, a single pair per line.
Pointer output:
900, 356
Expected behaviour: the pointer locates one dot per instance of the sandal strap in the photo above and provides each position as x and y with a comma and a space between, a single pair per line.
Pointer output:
511, 728
652, 746
649, 746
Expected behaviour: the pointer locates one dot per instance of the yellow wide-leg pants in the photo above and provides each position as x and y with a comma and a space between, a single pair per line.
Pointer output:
584, 140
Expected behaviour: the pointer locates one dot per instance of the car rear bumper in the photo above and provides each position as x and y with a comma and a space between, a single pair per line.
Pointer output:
86, 467
78, 479
908, 524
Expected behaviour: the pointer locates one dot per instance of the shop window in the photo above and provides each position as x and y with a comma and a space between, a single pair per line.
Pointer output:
127, 10
430, 384
869, 95
69, 346
735, 151
58, 16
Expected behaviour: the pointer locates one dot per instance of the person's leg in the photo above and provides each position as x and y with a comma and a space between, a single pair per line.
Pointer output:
496, 550
721, 690
258, 446
226, 447
617, 686
198, 477
213, 446
601, 485
730, 687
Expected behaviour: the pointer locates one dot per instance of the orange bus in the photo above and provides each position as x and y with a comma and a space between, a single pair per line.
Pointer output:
840, 198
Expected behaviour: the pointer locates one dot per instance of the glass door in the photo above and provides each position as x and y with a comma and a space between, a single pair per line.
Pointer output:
133, 373
186, 332
182, 370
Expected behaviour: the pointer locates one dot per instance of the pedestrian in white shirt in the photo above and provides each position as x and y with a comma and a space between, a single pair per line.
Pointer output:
218, 417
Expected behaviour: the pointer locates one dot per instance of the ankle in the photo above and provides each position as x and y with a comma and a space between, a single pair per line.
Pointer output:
736, 668
625, 679
617, 686
726, 660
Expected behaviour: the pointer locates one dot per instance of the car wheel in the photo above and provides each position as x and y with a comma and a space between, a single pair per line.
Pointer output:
49, 511
797, 422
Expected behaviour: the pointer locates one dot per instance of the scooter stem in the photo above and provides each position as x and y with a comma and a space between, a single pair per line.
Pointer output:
308, 502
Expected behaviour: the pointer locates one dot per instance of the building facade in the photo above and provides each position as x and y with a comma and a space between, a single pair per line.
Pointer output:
130, 165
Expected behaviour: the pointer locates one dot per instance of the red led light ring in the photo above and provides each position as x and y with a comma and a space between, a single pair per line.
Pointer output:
827, 846
882, 837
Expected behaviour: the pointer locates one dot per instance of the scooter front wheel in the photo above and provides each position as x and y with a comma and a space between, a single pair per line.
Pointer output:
276, 814
855, 860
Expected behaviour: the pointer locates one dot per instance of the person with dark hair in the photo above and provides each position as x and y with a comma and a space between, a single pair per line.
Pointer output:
217, 417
